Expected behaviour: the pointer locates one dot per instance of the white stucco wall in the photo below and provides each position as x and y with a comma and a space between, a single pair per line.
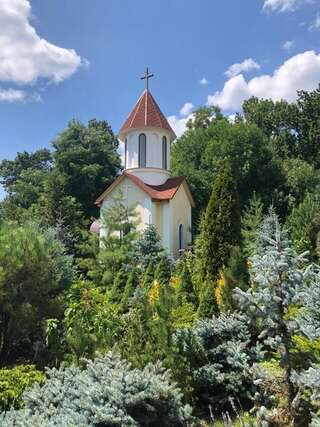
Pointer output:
151, 176
153, 147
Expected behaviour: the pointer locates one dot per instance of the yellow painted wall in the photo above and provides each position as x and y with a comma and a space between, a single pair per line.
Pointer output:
181, 214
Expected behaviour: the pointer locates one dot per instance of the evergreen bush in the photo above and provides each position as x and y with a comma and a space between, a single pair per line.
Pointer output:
108, 392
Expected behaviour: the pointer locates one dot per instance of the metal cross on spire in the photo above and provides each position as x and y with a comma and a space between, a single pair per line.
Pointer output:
146, 77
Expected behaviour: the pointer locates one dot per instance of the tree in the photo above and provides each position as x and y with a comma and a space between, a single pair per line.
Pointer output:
87, 160
148, 249
128, 292
24, 181
107, 392
220, 226
11, 171
198, 155
219, 359
308, 104
277, 281
293, 128
304, 225
277, 120
34, 271
251, 221
119, 223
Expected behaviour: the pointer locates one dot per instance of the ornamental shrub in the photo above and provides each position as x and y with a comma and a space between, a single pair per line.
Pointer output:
14, 381
219, 356
108, 392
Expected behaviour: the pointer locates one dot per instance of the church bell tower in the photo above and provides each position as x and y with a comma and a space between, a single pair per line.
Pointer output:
147, 137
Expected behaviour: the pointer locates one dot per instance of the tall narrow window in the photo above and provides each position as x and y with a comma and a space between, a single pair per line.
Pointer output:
142, 150
181, 243
164, 153
125, 152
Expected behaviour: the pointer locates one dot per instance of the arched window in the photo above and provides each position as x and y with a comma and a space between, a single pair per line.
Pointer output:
142, 150
181, 243
164, 153
125, 152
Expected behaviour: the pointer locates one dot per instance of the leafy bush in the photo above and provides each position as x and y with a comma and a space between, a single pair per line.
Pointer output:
108, 392
14, 381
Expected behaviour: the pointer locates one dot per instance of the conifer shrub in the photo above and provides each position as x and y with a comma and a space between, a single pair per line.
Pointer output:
107, 392
219, 355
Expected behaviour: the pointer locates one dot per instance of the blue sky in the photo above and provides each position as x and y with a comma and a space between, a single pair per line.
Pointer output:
65, 59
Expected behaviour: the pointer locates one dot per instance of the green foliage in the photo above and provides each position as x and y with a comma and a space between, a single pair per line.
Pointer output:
91, 322
148, 249
198, 155
86, 161
59, 187
251, 221
107, 392
304, 224
119, 222
293, 129
14, 381
219, 356
34, 271
279, 275
300, 178
220, 226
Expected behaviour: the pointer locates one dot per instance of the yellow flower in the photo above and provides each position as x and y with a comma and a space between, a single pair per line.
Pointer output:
219, 291
175, 282
154, 292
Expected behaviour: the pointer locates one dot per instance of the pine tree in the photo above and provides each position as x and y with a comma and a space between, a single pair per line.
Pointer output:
119, 223
107, 392
118, 287
278, 279
163, 271
251, 221
234, 275
148, 278
128, 291
186, 286
148, 249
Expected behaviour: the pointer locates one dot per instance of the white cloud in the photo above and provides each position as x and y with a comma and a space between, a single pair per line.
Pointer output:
301, 71
25, 57
12, 95
203, 81
244, 66
315, 24
179, 125
288, 45
284, 5
186, 109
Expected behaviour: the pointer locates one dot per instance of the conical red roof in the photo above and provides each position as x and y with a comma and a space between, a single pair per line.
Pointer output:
146, 113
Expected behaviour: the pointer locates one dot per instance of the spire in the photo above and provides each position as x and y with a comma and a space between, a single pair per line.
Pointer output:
146, 113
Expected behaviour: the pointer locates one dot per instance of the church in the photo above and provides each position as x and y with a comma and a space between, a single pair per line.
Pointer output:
145, 182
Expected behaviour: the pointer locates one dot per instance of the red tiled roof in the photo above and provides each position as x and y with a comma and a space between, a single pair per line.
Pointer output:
146, 113
163, 192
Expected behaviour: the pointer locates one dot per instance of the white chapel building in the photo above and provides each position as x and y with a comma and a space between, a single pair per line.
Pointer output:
146, 182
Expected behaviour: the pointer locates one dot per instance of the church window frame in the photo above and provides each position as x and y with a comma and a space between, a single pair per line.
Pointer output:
181, 237
125, 152
164, 152
142, 150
